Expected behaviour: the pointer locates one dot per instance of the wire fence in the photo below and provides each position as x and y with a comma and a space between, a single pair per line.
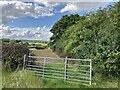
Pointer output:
68, 69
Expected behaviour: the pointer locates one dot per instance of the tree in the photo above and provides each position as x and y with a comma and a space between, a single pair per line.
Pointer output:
60, 26
94, 35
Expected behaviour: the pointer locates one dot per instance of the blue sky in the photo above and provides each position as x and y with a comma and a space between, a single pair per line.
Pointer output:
22, 20
29, 22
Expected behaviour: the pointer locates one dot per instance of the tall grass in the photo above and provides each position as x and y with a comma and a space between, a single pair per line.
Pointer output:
27, 79
21, 79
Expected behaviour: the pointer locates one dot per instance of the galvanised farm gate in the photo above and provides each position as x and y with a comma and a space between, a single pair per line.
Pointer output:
69, 69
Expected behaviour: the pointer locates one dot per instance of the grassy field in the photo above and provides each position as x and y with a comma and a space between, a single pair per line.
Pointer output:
36, 43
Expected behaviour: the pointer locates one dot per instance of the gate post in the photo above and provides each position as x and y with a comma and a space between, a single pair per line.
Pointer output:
65, 67
90, 72
24, 62
29, 57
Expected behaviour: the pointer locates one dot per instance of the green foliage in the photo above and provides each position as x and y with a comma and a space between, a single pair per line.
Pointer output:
60, 27
35, 44
26, 44
12, 56
38, 46
68, 48
95, 36
5, 40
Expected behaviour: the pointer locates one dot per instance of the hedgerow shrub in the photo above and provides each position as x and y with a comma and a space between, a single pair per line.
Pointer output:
94, 36
12, 56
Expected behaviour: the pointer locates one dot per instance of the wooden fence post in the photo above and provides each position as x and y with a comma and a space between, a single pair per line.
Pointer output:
65, 67
24, 62
44, 66
90, 71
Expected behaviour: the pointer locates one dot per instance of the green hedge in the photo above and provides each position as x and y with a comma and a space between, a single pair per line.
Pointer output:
12, 56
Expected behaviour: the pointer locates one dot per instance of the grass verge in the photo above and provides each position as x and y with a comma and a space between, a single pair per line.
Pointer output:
27, 79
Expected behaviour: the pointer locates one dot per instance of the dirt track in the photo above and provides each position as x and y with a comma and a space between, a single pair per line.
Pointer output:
45, 53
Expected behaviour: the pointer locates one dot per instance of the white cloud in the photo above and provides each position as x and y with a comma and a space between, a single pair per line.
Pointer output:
47, 3
75, 7
25, 33
78, 0
70, 7
17, 9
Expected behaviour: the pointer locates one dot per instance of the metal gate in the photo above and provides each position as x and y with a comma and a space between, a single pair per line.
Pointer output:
68, 69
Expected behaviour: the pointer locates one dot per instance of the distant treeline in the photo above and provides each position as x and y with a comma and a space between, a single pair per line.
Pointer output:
94, 35
8, 40
27, 43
